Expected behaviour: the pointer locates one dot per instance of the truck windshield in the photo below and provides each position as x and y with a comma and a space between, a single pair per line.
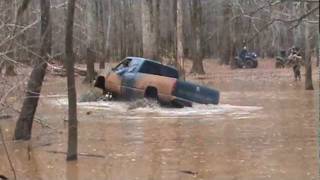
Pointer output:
150, 67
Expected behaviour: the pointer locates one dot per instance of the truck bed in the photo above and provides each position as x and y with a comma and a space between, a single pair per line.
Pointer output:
196, 93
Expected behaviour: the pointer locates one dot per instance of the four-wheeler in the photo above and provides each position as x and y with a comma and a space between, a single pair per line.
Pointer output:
281, 60
247, 60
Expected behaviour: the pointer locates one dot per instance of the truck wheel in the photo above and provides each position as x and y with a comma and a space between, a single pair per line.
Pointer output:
151, 93
100, 82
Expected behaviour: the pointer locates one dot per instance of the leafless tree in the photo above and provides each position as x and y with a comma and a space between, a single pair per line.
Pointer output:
72, 96
24, 124
307, 49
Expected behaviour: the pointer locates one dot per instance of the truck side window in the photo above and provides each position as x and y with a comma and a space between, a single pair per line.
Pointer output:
158, 69
124, 64
150, 68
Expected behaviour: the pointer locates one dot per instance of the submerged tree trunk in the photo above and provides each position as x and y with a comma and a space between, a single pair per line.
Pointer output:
196, 22
149, 32
72, 96
25, 121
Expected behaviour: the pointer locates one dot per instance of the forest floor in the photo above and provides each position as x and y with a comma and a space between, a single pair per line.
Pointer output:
264, 128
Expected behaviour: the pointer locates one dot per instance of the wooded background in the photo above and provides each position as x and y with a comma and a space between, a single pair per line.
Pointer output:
114, 29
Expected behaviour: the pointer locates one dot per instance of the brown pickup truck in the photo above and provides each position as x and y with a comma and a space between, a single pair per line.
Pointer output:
136, 77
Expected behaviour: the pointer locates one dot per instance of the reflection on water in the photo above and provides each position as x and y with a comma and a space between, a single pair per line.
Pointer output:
260, 134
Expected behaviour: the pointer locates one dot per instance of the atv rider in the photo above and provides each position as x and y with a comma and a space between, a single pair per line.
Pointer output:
243, 52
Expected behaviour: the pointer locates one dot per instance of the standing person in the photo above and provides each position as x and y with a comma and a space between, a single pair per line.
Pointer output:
296, 62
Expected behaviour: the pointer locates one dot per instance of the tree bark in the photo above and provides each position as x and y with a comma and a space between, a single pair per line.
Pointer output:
24, 124
196, 22
72, 95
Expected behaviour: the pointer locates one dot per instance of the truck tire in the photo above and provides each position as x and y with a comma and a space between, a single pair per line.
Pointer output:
151, 93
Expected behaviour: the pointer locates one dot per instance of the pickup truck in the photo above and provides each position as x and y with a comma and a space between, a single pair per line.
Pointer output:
136, 77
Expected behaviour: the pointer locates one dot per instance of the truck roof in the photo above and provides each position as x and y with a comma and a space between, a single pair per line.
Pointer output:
164, 70
143, 59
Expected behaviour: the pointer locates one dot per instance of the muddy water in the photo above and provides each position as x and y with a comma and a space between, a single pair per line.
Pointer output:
261, 130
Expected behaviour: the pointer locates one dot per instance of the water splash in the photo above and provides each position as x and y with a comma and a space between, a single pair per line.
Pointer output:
136, 109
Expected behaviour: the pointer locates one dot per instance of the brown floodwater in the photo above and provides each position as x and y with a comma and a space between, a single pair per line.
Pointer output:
264, 128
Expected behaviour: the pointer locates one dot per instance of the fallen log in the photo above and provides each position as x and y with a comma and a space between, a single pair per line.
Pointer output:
5, 116
2, 177
60, 71
80, 154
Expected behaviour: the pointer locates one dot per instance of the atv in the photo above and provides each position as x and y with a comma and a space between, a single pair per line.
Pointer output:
250, 60
281, 60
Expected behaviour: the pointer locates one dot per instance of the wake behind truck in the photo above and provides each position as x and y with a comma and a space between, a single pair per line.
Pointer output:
136, 77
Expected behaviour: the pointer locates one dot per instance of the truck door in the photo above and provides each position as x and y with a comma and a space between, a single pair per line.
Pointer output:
128, 82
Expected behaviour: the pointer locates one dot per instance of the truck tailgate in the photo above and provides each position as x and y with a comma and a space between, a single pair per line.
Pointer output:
196, 93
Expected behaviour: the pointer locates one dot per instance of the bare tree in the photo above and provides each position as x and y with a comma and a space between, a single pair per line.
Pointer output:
25, 121
72, 95
196, 22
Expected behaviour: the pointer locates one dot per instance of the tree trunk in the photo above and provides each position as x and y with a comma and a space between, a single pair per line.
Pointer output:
72, 96
24, 124
157, 28
108, 55
102, 39
149, 39
91, 39
227, 39
179, 39
318, 49
196, 22
307, 52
